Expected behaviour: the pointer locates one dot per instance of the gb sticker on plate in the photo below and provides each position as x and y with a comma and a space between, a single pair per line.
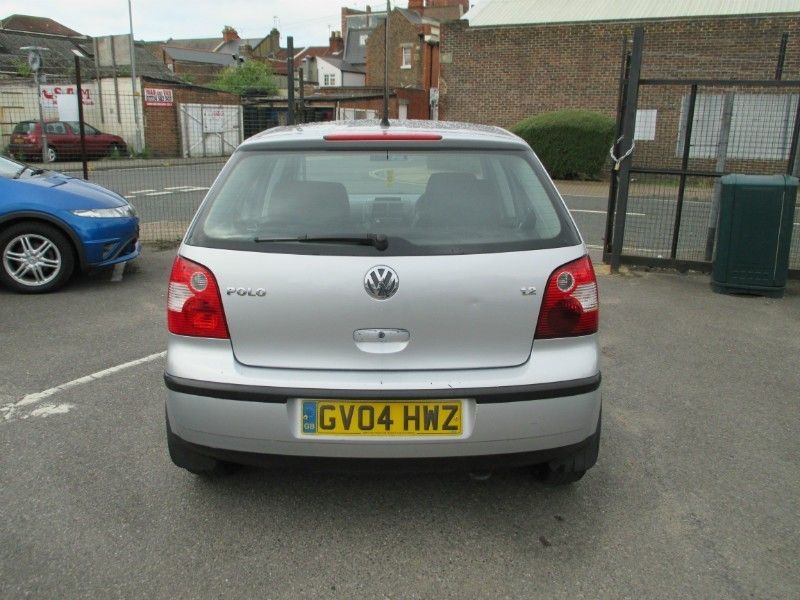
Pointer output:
309, 417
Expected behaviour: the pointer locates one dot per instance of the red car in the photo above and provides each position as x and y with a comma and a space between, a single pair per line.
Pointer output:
63, 141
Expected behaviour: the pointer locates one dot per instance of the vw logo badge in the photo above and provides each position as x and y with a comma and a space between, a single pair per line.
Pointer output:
381, 282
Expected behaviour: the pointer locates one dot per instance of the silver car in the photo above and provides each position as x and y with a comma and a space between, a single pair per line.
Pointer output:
360, 294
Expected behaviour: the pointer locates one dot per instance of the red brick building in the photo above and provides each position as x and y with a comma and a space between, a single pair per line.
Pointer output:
510, 59
165, 127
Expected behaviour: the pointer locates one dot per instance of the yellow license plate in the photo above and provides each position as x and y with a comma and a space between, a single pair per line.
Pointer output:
350, 417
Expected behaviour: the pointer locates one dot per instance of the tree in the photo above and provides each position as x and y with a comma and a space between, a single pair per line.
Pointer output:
250, 76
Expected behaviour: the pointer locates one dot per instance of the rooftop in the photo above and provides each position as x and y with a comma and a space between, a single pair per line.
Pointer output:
59, 60
199, 56
34, 24
492, 13
343, 65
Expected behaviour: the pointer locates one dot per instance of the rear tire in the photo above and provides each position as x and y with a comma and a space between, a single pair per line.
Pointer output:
52, 155
186, 458
572, 467
52, 255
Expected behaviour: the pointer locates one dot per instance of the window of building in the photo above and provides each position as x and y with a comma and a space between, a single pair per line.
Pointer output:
329, 79
406, 64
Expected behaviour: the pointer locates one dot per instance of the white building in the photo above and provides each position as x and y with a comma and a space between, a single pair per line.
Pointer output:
334, 72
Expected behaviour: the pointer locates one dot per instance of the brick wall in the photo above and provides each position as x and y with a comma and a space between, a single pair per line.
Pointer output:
416, 100
401, 33
500, 75
162, 132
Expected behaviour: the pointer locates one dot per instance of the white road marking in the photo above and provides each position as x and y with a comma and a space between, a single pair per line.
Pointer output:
50, 409
194, 189
660, 253
129, 197
178, 187
140, 191
118, 272
586, 196
602, 212
158, 193
11, 410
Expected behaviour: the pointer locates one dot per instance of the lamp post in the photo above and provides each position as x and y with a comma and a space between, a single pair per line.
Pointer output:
133, 83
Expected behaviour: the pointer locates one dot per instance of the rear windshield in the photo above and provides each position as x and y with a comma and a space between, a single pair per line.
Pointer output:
424, 202
25, 127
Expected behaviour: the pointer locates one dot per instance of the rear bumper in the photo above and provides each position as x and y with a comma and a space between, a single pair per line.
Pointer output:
25, 150
508, 426
393, 465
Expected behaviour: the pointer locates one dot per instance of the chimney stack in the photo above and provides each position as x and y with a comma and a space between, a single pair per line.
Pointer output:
336, 43
273, 42
229, 34
416, 5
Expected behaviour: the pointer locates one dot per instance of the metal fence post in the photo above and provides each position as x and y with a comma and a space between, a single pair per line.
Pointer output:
792, 163
81, 127
687, 146
612, 186
628, 130
781, 55
302, 103
722, 155
290, 76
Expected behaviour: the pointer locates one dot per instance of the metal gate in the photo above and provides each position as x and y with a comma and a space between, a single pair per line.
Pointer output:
675, 139
210, 129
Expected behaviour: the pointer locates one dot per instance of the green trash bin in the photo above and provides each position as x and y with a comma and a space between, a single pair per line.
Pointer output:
756, 215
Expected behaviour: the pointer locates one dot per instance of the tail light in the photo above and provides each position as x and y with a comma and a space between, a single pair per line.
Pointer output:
570, 305
194, 306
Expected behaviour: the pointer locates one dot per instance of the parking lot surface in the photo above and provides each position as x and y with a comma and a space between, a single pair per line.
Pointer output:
696, 493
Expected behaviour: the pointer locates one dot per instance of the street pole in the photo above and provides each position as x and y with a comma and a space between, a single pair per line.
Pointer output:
81, 127
36, 76
36, 64
134, 93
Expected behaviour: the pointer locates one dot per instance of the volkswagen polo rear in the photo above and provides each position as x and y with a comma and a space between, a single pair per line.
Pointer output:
412, 293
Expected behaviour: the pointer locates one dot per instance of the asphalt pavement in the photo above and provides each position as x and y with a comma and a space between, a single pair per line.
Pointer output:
696, 493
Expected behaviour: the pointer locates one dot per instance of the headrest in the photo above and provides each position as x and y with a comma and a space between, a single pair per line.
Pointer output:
312, 201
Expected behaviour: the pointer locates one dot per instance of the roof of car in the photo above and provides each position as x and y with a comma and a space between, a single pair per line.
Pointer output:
453, 134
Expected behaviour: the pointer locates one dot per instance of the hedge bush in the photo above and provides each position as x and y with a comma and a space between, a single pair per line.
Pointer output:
572, 144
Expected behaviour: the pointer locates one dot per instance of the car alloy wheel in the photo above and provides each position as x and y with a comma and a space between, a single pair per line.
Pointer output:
52, 155
32, 260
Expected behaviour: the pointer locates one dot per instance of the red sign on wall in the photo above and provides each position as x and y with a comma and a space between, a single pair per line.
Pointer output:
49, 93
158, 97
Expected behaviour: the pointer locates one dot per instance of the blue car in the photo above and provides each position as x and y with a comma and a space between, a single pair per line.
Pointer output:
52, 225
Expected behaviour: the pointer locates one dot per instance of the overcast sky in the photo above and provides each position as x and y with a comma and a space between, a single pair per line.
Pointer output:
306, 20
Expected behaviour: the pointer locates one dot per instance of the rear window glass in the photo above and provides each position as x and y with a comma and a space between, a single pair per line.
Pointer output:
424, 202
25, 127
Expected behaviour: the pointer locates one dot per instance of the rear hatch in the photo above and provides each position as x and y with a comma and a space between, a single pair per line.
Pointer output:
472, 238
460, 312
